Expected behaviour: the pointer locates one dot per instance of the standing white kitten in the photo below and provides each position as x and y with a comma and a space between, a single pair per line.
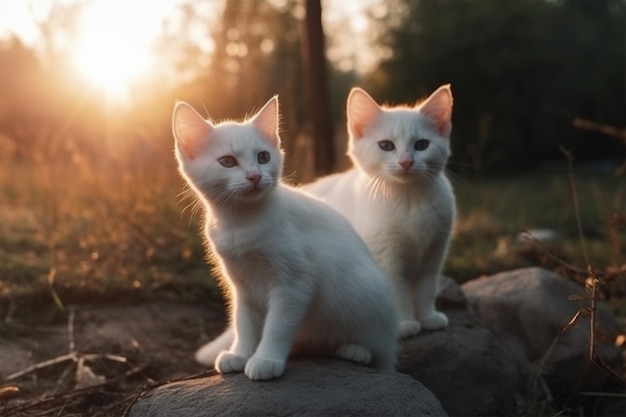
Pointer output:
299, 276
398, 198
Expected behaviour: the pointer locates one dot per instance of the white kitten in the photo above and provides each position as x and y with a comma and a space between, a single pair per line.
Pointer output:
398, 198
300, 278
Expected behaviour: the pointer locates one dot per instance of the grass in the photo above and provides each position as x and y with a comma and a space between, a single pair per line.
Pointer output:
92, 235
492, 212
83, 228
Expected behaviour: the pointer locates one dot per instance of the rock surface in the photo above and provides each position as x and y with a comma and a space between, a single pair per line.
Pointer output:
502, 329
309, 388
466, 366
528, 308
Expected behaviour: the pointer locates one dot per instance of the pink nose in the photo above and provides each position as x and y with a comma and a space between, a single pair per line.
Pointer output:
406, 164
254, 178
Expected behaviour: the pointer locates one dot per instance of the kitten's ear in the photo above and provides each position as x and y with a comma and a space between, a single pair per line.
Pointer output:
362, 111
190, 129
438, 107
266, 120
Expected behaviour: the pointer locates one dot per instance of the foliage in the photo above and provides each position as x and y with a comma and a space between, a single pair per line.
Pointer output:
521, 72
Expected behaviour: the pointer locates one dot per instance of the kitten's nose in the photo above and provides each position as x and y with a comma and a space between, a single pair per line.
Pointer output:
254, 178
406, 163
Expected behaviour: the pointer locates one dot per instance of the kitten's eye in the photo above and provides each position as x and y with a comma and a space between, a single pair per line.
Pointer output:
227, 161
386, 145
421, 144
263, 157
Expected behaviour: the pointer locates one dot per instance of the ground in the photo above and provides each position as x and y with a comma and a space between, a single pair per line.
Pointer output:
131, 347
114, 263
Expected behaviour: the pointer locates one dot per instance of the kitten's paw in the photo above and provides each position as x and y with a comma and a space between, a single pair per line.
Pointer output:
260, 369
207, 355
437, 320
228, 362
354, 353
409, 328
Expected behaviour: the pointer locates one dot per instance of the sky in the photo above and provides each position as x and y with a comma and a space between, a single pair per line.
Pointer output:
113, 41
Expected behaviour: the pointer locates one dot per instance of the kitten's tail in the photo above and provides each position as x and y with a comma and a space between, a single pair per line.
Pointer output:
207, 354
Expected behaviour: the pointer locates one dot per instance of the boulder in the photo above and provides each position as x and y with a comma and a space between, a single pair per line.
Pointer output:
466, 366
308, 388
528, 309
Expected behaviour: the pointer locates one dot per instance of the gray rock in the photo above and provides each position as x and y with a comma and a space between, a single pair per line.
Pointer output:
528, 308
465, 366
309, 388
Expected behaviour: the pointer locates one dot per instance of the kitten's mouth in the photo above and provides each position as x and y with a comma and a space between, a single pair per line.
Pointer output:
404, 175
255, 189
253, 192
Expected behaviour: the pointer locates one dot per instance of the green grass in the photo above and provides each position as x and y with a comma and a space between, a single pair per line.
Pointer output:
492, 212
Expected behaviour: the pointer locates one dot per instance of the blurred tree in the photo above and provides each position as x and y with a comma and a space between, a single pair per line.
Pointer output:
19, 73
520, 71
314, 61
255, 56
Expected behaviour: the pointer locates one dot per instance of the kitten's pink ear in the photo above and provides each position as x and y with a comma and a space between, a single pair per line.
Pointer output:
266, 120
190, 129
362, 111
438, 107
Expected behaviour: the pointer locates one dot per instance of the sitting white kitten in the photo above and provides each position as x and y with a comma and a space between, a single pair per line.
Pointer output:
398, 198
300, 278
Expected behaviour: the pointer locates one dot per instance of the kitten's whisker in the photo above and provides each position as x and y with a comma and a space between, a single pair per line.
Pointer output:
193, 203
371, 186
377, 186
457, 179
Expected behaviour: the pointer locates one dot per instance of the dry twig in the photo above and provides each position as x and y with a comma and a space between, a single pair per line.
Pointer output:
72, 355
592, 281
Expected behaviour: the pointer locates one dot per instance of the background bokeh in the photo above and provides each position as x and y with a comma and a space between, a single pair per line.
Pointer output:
90, 196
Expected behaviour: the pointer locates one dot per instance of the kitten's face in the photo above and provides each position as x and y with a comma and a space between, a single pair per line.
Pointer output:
400, 145
231, 162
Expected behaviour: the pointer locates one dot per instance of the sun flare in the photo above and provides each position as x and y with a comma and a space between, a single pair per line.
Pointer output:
114, 46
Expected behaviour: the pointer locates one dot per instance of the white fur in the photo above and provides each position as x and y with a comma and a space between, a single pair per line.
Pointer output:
406, 213
299, 276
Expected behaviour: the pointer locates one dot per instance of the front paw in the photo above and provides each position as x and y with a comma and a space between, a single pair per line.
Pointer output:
354, 353
435, 321
228, 362
260, 369
409, 328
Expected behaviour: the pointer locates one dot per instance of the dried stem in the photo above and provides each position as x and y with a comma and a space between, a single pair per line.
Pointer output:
589, 275
595, 359
572, 183
50, 398
41, 365
72, 355
603, 276
70, 331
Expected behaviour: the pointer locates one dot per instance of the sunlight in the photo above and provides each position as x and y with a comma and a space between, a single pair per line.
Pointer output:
347, 25
114, 45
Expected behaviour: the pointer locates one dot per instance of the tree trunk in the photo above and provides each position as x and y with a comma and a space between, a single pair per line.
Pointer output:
314, 62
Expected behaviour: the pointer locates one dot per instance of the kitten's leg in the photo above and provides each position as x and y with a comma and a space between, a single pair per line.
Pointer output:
426, 291
286, 309
247, 334
207, 354
354, 353
402, 295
